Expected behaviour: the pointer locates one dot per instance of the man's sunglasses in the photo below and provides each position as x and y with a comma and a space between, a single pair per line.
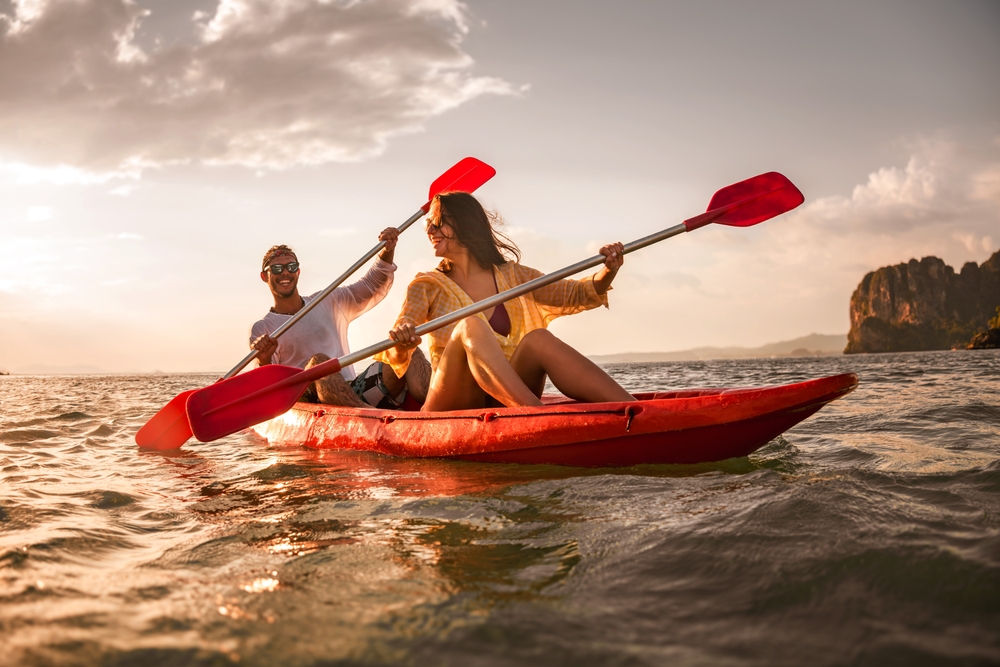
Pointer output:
278, 269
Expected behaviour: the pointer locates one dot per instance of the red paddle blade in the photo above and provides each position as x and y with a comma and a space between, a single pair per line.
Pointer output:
169, 428
465, 176
232, 405
755, 200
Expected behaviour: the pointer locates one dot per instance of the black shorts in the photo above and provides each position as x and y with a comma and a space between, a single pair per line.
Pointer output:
371, 389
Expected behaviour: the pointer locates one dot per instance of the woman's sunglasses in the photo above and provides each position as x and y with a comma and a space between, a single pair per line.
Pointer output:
430, 224
278, 269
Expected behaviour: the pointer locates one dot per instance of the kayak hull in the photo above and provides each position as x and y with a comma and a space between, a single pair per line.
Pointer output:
680, 427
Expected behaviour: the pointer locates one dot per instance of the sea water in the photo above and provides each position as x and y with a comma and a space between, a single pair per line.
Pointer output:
868, 535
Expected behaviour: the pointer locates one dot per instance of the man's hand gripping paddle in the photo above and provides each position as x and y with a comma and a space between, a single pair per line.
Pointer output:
169, 428
266, 392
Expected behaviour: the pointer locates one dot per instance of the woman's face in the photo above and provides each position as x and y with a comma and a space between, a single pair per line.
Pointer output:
439, 232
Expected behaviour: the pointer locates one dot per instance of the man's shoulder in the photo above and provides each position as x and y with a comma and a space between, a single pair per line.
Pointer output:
330, 303
261, 326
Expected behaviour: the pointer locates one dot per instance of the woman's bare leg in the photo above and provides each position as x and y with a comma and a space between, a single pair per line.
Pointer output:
540, 353
472, 366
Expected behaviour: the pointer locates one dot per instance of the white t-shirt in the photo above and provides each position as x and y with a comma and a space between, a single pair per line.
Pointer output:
324, 328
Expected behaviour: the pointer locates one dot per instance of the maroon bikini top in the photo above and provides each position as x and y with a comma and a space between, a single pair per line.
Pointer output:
500, 320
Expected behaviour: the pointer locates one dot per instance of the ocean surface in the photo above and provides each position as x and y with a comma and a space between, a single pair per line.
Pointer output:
867, 535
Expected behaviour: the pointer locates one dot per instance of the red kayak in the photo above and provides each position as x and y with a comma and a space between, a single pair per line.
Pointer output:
692, 426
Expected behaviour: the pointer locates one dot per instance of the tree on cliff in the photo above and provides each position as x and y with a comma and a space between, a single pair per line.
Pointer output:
989, 339
923, 305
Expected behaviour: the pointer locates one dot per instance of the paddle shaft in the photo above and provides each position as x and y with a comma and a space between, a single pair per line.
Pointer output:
322, 295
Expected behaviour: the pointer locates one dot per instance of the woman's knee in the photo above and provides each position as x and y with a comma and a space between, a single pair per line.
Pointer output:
540, 337
539, 341
469, 329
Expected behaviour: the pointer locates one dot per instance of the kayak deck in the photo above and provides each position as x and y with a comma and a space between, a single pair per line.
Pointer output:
692, 426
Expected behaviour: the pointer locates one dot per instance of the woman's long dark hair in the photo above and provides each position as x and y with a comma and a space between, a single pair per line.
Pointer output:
475, 229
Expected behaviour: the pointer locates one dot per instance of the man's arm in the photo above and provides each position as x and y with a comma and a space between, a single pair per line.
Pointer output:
359, 297
390, 235
261, 340
267, 346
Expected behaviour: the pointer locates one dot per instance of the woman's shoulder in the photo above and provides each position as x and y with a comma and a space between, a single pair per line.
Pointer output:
428, 281
427, 277
518, 271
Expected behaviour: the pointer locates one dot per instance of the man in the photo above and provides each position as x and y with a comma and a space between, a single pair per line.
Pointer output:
322, 332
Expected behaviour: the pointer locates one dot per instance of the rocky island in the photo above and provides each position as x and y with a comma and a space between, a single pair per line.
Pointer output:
925, 305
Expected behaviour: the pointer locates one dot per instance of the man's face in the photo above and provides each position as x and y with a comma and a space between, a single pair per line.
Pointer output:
284, 284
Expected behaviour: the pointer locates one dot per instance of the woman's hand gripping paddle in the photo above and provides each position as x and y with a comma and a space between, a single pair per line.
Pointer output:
169, 428
266, 392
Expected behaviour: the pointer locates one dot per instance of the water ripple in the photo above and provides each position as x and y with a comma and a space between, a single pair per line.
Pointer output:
868, 534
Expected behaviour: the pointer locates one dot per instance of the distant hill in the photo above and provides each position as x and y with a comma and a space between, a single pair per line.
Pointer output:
43, 369
82, 369
813, 345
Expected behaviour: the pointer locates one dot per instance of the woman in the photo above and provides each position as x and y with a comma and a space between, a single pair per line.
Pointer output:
501, 355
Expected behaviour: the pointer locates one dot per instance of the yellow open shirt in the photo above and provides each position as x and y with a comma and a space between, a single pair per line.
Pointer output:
433, 294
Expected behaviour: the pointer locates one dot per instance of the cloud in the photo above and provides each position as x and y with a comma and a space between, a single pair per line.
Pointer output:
986, 185
974, 243
798, 271
339, 232
944, 182
39, 213
931, 202
122, 190
62, 174
267, 83
913, 187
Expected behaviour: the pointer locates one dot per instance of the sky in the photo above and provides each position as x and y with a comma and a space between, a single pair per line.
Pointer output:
152, 150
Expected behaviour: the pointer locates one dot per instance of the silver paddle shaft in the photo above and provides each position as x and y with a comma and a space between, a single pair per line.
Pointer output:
512, 293
322, 295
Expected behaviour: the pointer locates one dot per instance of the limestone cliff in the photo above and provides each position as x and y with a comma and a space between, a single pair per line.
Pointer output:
923, 305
